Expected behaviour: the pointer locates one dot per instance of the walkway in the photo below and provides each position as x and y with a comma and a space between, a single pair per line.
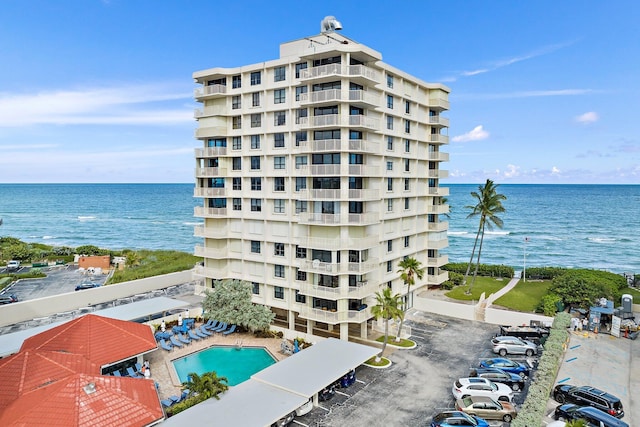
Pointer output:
512, 283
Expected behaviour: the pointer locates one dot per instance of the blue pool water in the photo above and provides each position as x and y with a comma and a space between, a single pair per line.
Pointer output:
237, 364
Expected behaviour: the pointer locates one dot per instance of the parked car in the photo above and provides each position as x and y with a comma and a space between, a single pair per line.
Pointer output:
507, 365
13, 265
589, 396
464, 387
516, 382
513, 345
487, 408
305, 409
457, 418
327, 393
534, 334
284, 421
87, 285
8, 299
592, 416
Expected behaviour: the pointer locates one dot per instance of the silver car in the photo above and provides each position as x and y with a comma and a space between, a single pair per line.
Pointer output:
513, 345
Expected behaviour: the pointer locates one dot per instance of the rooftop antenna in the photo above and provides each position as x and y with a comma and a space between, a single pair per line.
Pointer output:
330, 24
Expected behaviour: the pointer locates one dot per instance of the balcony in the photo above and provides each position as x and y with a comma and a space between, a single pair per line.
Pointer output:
202, 212
439, 102
209, 192
439, 138
356, 121
364, 170
437, 173
321, 96
211, 131
210, 172
331, 70
319, 121
335, 317
211, 253
211, 152
317, 266
438, 209
213, 273
337, 243
319, 218
437, 156
438, 120
360, 291
438, 226
363, 218
320, 170
438, 262
363, 97
437, 279
438, 191
363, 145
319, 194
364, 194
359, 121
208, 92
437, 244
321, 145
210, 232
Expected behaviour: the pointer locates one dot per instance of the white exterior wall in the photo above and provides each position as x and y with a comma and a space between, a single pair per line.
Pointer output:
228, 234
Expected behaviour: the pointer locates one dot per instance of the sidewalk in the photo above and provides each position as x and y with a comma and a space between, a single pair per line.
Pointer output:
512, 283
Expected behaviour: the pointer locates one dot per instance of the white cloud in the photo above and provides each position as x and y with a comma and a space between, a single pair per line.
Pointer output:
476, 134
588, 117
126, 104
555, 171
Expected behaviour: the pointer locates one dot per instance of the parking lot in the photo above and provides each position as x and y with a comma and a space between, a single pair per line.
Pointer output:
418, 384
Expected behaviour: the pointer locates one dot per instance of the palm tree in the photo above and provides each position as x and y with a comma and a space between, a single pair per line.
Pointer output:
410, 268
387, 307
488, 206
206, 385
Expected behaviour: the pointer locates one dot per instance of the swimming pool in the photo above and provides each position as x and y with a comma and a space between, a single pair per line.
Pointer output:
235, 363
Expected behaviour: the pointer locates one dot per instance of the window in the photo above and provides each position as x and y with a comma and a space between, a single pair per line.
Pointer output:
255, 246
389, 266
279, 162
299, 297
355, 183
280, 118
255, 288
406, 165
389, 101
218, 203
406, 203
407, 107
390, 143
301, 183
278, 270
407, 126
236, 102
300, 136
301, 206
256, 120
278, 249
256, 205
407, 146
389, 184
319, 135
256, 78
356, 159
278, 291
301, 113
255, 162
279, 96
279, 74
236, 122
236, 82
390, 165
301, 161
389, 81
327, 61
300, 66
256, 183
236, 163
237, 183
389, 205
390, 122
278, 140
325, 159
406, 184
255, 99
300, 90
255, 142
237, 204
278, 183
356, 207
389, 245
236, 143
301, 252
356, 111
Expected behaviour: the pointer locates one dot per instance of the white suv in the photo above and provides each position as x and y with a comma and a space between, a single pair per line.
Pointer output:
464, 387
13, 265
513, 345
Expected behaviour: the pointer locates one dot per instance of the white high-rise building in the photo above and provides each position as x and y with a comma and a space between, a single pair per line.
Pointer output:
319, 171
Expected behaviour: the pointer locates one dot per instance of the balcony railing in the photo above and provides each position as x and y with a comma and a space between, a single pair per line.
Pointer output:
364, 194
210, 172
438, 209
207, 91
211, 151
213, 273
364, 97
337, 243
363, 145
439, 138
320, 96
362, 290
339, 70
438, 191
439, 102
212, 253
438, 244
437, 173
438, 156
319, 194
364, 121
202, 212
438, 120
336, 120
335, 317
438, 262
317, 170
321, 145
437, 279
319, 218
363, 170
210, 232
364, 218
209, 192
437, 226
211, 131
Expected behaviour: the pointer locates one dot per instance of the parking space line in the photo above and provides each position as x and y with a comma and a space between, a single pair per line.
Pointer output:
360, 381
298, 422
322, 407
343, 394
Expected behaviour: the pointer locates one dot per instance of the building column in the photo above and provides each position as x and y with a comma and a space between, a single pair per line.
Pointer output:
363, 330
344, 331
292, 319
310, 325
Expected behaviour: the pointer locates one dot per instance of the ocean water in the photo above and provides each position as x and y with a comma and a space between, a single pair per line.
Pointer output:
592, 226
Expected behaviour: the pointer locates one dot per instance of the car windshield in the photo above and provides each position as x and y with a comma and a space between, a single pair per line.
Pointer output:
469, 418
494, 387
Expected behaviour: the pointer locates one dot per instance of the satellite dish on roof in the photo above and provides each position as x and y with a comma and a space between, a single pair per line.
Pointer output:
330, 24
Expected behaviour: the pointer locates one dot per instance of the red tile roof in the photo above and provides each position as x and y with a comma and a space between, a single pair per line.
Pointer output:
102, 340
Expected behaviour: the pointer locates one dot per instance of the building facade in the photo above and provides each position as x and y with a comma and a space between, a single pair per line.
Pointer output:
319, 171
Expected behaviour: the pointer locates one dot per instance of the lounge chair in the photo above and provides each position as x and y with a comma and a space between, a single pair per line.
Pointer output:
138, 368
117, 374
165, 345
166, 402
180, 329
199, 333
231, 330
132, 373
175, 342
211, 324
220, 328
204, 331
175, 399
183, 339
193, 336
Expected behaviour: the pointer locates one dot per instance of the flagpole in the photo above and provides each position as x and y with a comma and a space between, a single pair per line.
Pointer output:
524, 269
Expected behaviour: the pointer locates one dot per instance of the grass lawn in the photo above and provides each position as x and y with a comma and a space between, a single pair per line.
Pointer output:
525, 296
392, 340
488, 285
633, 292
383, 362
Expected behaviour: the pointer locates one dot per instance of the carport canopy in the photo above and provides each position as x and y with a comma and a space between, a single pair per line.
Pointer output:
279, 389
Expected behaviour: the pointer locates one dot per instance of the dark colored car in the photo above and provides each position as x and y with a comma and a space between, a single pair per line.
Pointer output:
457, 418
88, 285
589, 396
8, 299
506, 365
592, 416
515, 381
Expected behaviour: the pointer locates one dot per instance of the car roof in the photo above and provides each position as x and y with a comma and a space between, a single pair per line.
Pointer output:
473, 380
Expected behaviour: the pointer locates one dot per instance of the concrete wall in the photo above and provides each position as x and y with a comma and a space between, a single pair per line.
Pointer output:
445, 308
42, 307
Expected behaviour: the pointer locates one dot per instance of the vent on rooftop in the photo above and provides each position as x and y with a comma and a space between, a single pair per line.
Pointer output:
89, 388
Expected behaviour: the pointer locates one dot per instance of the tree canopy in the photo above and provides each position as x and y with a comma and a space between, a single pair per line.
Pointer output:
230, 302
582, 288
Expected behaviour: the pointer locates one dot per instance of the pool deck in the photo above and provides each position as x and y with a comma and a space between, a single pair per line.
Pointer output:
163, 372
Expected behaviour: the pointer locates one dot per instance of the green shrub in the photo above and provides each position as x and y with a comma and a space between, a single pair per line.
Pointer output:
483, 269
544, 273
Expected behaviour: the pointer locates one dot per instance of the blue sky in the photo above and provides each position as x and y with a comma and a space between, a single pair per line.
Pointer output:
101, 90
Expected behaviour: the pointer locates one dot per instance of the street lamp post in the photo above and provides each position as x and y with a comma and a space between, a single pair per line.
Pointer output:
524, 260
